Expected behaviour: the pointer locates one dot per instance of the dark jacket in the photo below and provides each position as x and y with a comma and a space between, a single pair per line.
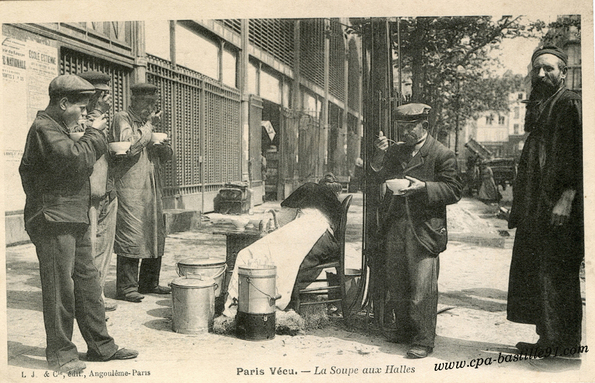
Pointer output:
55, 171
426, 212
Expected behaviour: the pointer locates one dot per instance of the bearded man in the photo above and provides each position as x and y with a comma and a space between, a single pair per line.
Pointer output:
547, 210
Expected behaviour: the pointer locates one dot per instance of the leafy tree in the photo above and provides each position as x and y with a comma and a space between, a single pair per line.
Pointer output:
450, 65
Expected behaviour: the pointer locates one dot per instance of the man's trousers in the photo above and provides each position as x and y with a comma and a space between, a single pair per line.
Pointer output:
70, 289
128, 279
106, 231
412, 283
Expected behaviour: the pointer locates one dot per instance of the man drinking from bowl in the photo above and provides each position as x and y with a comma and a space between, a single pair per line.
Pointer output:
55, 172
413, 223
140, 228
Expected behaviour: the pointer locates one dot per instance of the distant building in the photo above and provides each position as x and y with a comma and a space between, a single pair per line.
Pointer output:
501, 133
516, 123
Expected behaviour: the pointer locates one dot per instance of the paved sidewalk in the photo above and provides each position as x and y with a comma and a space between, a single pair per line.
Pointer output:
473, 283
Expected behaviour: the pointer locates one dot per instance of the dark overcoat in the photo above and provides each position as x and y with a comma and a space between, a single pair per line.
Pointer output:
426, 212
543, 284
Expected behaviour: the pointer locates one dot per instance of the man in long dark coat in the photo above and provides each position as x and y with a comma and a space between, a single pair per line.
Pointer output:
414, 224
140, 227
547, 211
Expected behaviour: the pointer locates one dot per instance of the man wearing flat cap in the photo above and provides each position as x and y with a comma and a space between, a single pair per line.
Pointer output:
140, 227
104, 202
547, 211
55, 172
413, 223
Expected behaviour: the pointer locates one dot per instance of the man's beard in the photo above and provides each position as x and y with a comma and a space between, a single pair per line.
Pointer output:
542, 89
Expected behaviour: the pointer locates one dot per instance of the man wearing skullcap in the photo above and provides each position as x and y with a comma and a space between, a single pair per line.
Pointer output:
55, 172
547, 211
104, 202
140, 227
413, 224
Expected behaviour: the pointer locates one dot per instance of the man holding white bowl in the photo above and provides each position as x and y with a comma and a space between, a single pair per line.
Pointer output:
140, 228
422, 178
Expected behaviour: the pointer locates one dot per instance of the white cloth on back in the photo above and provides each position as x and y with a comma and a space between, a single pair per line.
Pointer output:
285, 248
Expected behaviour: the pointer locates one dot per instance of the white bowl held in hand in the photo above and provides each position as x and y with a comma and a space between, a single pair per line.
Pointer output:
397, 184
119, 147
75, 136
158, 138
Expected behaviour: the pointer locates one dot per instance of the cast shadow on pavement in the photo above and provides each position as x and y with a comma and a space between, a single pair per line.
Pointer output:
485, 299
24, 300
26, 356
164, 314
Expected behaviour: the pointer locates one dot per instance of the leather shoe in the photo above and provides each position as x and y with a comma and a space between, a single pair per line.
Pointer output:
121, 354
131, 297
156, 290
419, 352
110, 306
74, 366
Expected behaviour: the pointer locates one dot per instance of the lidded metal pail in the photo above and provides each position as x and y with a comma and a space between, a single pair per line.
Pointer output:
193, 305
256, 302
204, 268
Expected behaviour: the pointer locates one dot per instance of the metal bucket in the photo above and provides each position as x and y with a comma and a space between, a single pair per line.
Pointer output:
256, 302
256, 289
193, 305
204, 268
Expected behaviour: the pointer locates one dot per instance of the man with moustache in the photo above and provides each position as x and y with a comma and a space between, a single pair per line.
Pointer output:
55, 172
547, 210
413, 223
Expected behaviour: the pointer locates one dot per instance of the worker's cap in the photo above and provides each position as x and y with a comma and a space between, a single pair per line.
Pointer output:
412, 112
68, 84
144, 89
98, 79
550, 50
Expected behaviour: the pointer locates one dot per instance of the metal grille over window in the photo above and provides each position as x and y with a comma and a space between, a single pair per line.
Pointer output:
312, 50
233, 24
202, 117
337, 61
73, 62
274, 36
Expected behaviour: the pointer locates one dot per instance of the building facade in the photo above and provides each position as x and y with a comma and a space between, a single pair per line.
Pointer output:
235, 94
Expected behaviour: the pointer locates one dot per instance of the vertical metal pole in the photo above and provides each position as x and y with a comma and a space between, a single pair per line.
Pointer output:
203, 148
172, 42
399, 61
245, 101
325, 115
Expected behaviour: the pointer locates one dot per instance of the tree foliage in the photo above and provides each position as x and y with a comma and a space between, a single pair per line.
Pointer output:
449, 61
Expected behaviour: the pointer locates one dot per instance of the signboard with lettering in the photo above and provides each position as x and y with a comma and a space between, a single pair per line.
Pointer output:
27, 69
